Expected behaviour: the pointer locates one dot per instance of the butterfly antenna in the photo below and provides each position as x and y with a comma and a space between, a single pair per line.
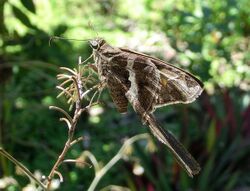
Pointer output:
93, 28
63, 38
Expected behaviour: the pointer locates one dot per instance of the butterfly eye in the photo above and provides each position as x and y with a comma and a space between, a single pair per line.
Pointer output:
94, 44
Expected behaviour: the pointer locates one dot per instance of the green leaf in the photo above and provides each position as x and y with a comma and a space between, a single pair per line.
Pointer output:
207, 172
232, 181
184, 181
22, 17
29, 4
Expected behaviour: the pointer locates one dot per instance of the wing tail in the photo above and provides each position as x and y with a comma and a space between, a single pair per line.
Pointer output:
183, 157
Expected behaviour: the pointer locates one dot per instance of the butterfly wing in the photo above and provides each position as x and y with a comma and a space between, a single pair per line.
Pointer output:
117, 91
157, 84
142, 80
176, 85
118, 95
139, 79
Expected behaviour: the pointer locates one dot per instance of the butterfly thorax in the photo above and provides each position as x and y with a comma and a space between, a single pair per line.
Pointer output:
101, 64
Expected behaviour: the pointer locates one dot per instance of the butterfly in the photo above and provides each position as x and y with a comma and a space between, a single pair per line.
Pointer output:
147, 83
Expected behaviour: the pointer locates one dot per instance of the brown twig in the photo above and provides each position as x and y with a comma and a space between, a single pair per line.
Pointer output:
68, 143
77, 85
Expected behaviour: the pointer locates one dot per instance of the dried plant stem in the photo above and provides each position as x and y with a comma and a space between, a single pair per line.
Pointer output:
67, 145
72, 87
100, 173
76, 141
62, 111
71, 130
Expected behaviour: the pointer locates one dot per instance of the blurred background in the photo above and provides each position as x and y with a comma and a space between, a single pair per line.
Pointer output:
211, 39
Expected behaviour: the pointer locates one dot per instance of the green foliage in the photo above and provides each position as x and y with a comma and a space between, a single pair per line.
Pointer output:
208, 38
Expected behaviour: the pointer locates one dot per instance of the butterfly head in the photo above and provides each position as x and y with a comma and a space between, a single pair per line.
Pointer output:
96, 43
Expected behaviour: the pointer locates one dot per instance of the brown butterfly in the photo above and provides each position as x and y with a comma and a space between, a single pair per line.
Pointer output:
147, 83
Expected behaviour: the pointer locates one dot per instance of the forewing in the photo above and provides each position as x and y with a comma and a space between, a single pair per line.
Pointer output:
176, 85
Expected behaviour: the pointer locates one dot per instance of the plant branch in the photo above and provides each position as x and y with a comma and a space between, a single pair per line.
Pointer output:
68, 144
77, 87
62, 111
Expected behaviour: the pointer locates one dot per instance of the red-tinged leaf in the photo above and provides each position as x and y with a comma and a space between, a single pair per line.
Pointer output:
150, 187
29, 4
